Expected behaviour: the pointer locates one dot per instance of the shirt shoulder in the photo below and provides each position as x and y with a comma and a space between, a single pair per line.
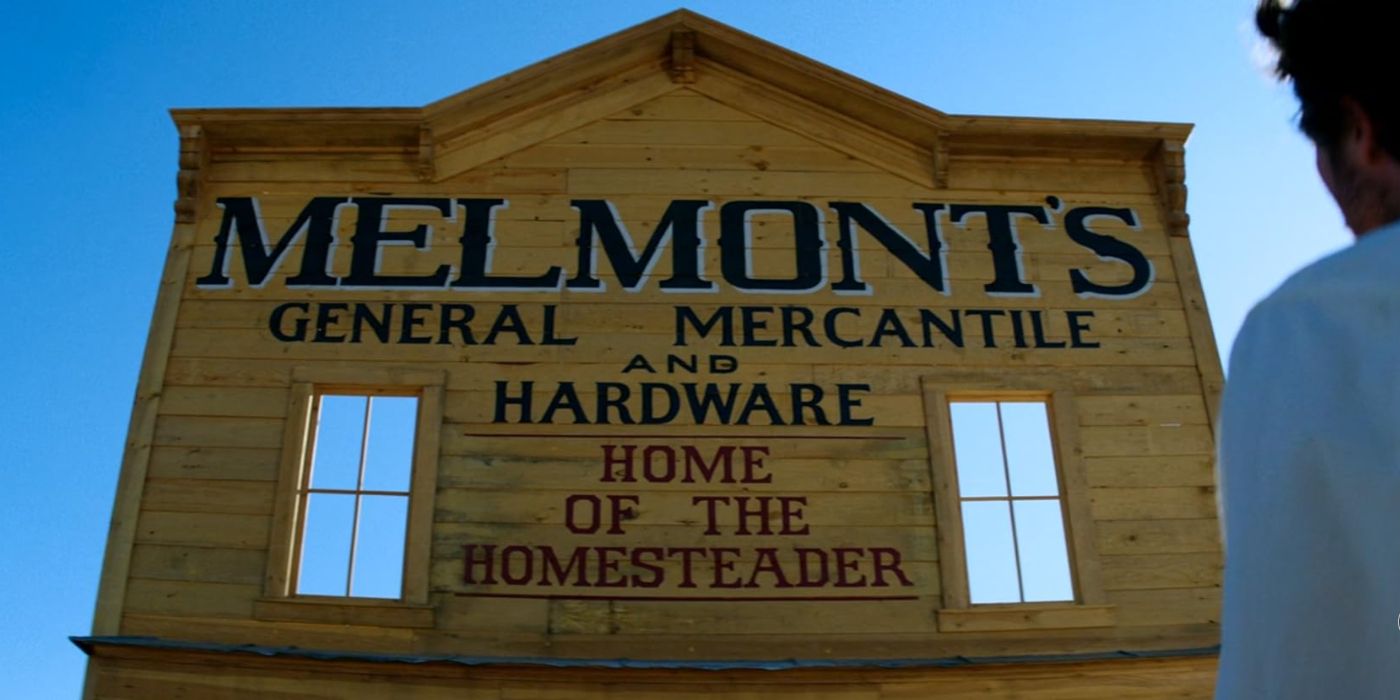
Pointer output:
1367, 267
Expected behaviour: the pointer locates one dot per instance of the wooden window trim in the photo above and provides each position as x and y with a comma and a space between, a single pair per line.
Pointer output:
1090, 608
280, 601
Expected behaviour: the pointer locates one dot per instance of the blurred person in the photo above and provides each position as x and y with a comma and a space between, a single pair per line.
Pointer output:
1310, 420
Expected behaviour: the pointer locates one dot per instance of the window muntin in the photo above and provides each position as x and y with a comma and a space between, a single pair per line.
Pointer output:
1009, 498
355, 496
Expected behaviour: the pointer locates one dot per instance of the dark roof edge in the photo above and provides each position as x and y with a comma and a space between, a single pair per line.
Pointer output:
87, 644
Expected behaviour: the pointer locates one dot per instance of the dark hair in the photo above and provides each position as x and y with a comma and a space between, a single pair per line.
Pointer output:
1337, 49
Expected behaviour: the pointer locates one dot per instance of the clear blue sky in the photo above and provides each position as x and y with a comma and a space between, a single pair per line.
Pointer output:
89, 158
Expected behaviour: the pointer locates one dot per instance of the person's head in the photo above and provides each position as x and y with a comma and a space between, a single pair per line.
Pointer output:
1343, 57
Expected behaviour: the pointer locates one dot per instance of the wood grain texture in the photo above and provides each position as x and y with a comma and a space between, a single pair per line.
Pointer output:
207, 504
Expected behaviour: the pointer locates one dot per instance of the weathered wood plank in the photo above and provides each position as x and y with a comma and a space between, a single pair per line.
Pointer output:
207, 564
1174, 536
914, 543
1138, 571
209, 496
220, 530
192, 598
1190, 470
1134, 441
669, 508
1168, 502
203, 431
507, 472
236, 463
230, 402
621, 349
1158, 411
1167, 606
687, 157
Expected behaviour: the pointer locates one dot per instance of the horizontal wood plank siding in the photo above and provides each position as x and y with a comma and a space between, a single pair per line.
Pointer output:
202, 545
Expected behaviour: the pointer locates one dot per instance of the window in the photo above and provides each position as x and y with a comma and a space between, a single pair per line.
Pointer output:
354, 498
355, 495
1013, 523
1009, 493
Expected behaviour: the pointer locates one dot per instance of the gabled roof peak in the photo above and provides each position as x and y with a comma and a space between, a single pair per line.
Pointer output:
679, 50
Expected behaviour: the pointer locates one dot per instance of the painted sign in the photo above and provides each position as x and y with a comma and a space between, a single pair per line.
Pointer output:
750, 521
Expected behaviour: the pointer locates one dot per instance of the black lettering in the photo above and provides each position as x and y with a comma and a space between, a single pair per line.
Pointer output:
378, 324
751, 323
260, 257
928, 267
1006, 250
565, 398
760, 400
478, 242
411, 321
890, 325
723, 316
989, 336
504, 400
736, 254
952, 333
550, 336
650, 414
508, 321
274, 322
847, 402
456, 316
680, 223
328, 314
830, 322
1077, 329
370, 236
701, 405
1107, 248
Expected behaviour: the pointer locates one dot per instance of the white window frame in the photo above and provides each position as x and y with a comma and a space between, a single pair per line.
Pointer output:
958, 614
289, 516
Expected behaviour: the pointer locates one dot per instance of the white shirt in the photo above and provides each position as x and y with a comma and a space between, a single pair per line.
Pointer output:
1310, 484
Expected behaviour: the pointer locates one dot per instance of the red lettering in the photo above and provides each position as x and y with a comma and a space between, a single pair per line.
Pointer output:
844, 565
571, 513
694, 460
711, 517
804, 574
687, 576
791, 514
879, 554
657, 573
549, 563
745, 512
487, 562
668, 461
609, 461
753, 460
607, 566
723, 567
767, 563
527, 572
621, 510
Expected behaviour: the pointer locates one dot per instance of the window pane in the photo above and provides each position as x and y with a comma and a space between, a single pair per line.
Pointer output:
991, 561
977, 449
336, 464
1029, 454
389, 460
379, 555
325, 546
1040, 529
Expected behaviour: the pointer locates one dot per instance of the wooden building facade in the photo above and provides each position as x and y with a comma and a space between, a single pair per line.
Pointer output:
676, 364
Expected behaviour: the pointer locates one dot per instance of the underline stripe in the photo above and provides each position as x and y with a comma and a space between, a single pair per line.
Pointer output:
688, 599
